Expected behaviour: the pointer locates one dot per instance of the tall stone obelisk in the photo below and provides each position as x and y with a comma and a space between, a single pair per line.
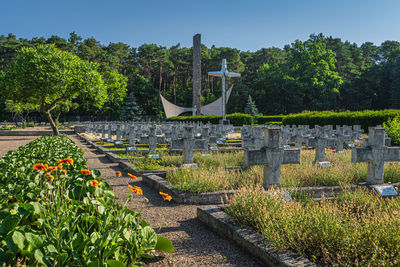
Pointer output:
197, 74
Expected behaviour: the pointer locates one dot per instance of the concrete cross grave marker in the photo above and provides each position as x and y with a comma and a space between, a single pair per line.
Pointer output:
321, 144
118, 133
375, 153
272, 156
152, 140
188, 146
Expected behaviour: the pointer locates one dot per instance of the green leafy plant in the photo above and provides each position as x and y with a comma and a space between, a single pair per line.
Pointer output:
54, 212
392, 127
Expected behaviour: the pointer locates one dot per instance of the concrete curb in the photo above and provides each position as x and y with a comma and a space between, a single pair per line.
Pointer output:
247, 239
162, 185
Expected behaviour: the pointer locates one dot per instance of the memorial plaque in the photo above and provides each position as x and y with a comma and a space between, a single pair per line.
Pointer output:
154, 156
110, 140
213, 148
385, 190
324, 164
286, 147
219, 142
188, 166
131, 149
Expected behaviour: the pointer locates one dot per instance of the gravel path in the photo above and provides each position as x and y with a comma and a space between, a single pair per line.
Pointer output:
195, 244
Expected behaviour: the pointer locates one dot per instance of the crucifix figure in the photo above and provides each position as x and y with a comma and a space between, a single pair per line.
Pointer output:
223, 73
272, 156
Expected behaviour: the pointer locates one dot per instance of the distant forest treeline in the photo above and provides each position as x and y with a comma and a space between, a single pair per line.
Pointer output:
322, 73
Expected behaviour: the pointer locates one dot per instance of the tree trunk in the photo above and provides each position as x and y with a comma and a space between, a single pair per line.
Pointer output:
52, 123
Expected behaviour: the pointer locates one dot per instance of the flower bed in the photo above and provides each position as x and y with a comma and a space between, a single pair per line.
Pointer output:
56, 212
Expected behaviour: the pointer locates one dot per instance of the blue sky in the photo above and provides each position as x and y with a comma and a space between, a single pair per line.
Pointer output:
246, 25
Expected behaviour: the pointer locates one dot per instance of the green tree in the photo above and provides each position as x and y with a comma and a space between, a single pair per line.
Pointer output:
131, 111
251, 107
20, 110
45, 76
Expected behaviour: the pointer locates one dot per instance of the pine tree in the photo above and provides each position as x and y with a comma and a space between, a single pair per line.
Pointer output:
251, 107
131, 111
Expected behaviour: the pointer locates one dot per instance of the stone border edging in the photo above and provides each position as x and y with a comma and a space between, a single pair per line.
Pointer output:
247, 239
123, 163
162, 185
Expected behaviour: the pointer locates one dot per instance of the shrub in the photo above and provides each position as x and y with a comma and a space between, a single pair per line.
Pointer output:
237, 119
393, 129
265, 119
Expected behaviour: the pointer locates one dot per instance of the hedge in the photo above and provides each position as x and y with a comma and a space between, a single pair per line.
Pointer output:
237, 119
365, 118
266, 119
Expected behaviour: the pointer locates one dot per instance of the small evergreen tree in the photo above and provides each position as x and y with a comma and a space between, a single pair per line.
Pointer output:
251, 107
131, 111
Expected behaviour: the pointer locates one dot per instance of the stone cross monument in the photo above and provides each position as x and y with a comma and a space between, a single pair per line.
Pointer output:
223, 73
272, 156
197, 74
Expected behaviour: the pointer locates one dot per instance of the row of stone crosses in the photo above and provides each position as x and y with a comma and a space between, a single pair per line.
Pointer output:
262, 145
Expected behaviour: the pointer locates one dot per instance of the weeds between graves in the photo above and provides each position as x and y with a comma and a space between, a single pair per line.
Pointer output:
213, 174
357, 228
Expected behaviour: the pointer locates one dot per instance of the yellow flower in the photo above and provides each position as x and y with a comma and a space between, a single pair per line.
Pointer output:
118, 173
94, 183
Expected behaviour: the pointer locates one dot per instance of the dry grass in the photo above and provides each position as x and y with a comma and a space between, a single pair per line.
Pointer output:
359, 228
212, 174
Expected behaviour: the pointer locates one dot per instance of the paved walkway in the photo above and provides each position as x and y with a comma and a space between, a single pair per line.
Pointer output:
8, 143
195, 244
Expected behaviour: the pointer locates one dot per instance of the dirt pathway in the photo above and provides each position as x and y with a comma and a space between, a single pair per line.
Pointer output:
195, 244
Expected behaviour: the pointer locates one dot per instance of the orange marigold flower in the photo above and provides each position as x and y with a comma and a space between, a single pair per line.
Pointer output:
136, 189
94, 183
132, 176
52, 168
118, 173
166, 196
86, 172
64, 171
67, 161
49, 175
40, 167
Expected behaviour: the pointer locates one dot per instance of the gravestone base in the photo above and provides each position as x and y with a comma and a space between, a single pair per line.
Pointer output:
187, 166
224, 122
